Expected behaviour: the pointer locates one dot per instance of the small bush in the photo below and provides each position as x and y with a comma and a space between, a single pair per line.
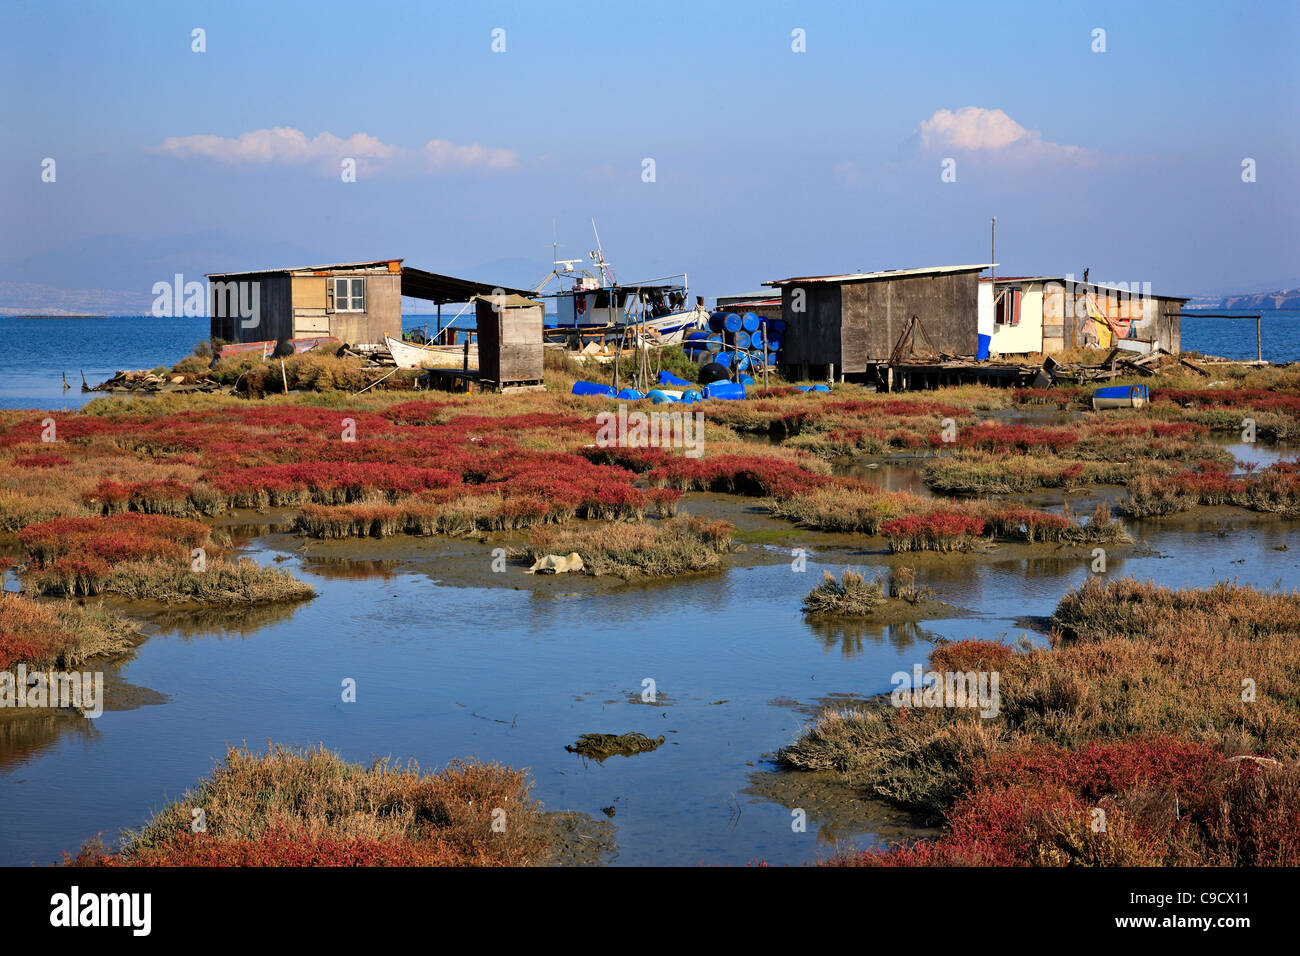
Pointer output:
851, 596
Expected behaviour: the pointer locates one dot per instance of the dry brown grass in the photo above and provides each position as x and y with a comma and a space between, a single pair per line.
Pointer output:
59, 634
629, 549
292, 807
1129, 660
851, 595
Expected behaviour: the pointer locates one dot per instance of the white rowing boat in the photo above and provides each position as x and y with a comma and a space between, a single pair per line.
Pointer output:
410, 355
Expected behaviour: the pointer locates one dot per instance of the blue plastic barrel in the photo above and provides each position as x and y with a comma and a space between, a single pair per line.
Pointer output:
630, 395
660, 397
742, 360
724, 322
746, 380
691, 396
776, 325
750, 322
728, 390
592, 388
821, 388
668, 378
774, 343
741, 340
982, 353
723, 359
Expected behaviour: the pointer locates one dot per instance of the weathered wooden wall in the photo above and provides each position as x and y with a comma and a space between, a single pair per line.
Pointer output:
296, 307
310, 314
275, 312
509, 343
1170, 331
876, 311
812, 333
383, 315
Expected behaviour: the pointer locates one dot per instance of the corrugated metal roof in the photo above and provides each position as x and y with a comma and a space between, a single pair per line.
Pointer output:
289, 270
1078, 282
886, 274
416, 283
419, 284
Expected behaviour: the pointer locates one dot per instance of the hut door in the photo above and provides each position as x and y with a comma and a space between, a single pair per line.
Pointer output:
309, 314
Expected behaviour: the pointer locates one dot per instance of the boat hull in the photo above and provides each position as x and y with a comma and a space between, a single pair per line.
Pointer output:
409, 355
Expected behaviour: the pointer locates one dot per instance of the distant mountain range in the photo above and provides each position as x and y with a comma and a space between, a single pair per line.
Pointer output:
1281, 299
115, 275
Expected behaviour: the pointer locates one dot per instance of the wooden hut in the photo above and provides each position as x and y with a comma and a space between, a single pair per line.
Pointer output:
846, 324
359, 303
509, 342
1041, 315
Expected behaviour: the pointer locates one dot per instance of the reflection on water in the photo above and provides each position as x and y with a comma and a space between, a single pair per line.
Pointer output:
237, 620
901, 474
852, 637
348, 569
1256, 454
28, 736
512, 675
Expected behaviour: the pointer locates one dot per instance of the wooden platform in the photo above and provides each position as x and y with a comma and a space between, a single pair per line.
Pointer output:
459, 380
907, 376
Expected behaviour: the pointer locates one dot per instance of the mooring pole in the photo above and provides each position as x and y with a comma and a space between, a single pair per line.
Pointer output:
1259, 341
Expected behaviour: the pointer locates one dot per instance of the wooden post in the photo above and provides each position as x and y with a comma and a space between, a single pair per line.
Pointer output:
464, 367
618, 360
284, 378
1259, 341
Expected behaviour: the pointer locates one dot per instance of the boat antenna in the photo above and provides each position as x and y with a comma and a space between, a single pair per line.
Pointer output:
599, 256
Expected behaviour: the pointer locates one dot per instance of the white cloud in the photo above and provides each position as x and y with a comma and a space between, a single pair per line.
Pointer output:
601, 174
846, 173
286, 146
440, 154
973, 128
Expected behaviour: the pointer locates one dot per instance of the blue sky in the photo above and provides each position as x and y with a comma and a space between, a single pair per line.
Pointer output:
768, 162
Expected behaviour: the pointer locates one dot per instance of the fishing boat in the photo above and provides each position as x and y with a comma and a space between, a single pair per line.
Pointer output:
412, 355
596, 306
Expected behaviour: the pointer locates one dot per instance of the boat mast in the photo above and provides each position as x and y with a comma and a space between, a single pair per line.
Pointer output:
605, 268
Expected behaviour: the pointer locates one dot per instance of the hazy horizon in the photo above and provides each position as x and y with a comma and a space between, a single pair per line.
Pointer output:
793, 139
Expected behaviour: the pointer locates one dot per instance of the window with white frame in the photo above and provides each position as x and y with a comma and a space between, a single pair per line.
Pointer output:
349, 294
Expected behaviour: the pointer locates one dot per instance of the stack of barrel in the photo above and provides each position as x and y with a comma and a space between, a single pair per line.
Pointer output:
735, 341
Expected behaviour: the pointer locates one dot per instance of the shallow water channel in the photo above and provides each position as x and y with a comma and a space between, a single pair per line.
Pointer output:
452, 660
